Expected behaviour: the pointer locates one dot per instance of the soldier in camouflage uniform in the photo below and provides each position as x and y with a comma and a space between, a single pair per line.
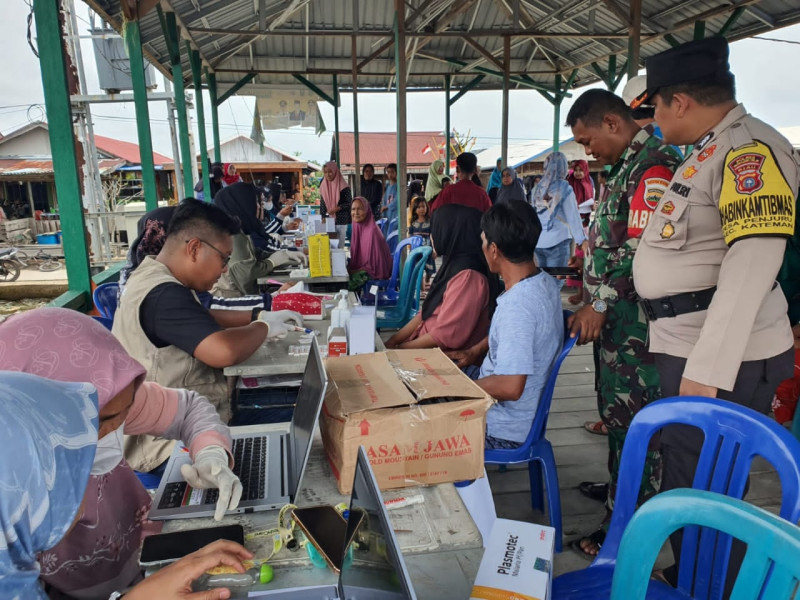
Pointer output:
627, 379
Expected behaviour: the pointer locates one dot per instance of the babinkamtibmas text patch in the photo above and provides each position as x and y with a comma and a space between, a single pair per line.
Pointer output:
517, 563
755, 198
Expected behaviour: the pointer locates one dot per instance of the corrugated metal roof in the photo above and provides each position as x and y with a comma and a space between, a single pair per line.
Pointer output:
517, 153
560, 37
127, 151
26, 167
380, 148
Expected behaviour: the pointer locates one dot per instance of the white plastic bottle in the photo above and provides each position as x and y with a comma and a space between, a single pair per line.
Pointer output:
344, 315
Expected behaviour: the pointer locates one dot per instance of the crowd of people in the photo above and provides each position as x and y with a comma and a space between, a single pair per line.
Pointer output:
677, 293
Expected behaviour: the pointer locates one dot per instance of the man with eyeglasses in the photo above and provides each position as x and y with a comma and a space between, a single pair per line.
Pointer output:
161, 323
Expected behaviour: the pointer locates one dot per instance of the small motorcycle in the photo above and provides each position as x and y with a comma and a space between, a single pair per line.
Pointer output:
9, 267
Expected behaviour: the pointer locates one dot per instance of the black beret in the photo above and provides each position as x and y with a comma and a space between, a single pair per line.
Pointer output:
694, 61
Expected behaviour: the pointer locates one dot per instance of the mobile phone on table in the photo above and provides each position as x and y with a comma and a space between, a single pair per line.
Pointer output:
328, 531
164, 548
562, 271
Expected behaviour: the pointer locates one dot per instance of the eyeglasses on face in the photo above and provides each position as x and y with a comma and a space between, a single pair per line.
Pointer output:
226, 258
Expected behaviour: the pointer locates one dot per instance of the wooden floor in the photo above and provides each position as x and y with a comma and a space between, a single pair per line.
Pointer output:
582, 456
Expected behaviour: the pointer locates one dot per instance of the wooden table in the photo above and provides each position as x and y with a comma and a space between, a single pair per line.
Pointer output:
441, 545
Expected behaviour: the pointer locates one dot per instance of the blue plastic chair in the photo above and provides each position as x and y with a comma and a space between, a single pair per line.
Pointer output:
381, 223
395, 317
537, 451
770, 569
107, 323
389, 227
393, 239
388, 288
733, 437
105, 299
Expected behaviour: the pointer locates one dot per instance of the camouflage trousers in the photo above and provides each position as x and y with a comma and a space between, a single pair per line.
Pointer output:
626, 381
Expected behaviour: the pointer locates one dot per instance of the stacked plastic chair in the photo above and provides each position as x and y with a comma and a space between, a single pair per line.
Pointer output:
388, 288
395, 317
733, 437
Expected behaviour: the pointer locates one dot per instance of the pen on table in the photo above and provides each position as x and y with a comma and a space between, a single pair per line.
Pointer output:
404, 501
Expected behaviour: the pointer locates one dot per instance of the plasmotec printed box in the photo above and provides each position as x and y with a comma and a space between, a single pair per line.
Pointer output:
517, 563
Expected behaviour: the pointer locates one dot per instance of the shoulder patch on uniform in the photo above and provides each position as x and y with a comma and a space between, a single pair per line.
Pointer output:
755, 199
652, 186
689, 172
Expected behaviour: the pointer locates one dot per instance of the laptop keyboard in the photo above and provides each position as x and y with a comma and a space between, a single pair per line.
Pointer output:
250, 460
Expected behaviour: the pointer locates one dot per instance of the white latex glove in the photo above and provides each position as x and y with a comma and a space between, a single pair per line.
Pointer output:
280, 322
297, 258
210, 470
286, 257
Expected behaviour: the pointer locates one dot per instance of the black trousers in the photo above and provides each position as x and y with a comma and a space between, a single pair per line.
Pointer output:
680, 444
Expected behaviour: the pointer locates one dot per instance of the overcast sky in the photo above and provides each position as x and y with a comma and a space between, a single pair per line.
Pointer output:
768, 83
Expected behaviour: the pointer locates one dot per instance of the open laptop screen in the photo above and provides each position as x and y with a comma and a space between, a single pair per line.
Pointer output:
377, 571
306, 413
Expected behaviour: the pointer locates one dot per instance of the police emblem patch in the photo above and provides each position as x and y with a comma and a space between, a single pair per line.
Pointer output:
667, 231
747, 170
689, 172
707, 153
654, 188
668, 207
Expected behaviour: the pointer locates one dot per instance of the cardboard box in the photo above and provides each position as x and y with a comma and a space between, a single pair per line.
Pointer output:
374, 400
337, 342
361, 330
517, 563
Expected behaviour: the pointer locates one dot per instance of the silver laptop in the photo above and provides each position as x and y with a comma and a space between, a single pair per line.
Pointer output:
373, 574
269, 465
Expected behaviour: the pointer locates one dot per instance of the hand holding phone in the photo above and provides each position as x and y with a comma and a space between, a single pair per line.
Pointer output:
164, 548
175, 581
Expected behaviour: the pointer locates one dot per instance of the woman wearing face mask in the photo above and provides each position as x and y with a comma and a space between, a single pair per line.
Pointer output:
53, 428
100, 553
247, 264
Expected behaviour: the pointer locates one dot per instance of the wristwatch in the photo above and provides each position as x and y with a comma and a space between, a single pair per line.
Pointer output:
600, 306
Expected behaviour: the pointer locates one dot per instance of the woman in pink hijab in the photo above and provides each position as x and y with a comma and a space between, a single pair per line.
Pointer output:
100, 554
336, 199
368, 249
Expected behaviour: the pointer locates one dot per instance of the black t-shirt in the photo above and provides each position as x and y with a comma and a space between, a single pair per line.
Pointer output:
170, 316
